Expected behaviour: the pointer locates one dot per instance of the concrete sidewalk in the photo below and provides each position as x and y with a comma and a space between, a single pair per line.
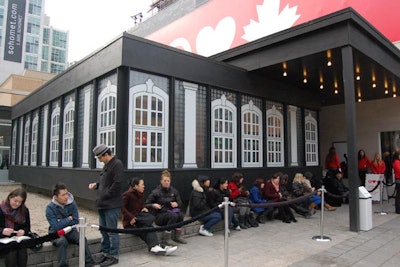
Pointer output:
280, 244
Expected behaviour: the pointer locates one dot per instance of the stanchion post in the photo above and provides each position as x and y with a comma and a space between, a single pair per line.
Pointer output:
321, 237
81, 229
226, 230
381, 202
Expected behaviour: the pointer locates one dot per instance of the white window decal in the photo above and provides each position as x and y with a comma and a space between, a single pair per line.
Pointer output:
223, 133
251, 136
54, 135
34, 142
148, 126
311, 140
275, 145
68, 136
27, 132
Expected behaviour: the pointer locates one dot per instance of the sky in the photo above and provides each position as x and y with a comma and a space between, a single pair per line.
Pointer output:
93, 23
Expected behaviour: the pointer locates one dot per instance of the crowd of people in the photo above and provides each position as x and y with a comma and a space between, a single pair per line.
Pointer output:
276, 198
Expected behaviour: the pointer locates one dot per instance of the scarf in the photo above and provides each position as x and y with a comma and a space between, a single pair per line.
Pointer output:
11, 216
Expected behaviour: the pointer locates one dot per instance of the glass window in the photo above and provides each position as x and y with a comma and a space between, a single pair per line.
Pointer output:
33, 26
223, 132
54, 134
32, 44
311, 138
59, 39
251, 132
31, 62
27, 131
46, 36
275, 135
148, 122
35, 7
68, 136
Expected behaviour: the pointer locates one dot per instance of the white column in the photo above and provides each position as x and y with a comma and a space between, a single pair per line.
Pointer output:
190, 125
86, 125
293, 135
44, 140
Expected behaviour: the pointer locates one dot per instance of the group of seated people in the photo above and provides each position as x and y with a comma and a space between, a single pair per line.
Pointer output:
205, 197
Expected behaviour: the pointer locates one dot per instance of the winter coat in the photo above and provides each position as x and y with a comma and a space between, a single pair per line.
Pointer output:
133, 203
200, 201
109, 186
164, 197
234, 189
26, 225
271, 193
300, 189
57, 214
255, 197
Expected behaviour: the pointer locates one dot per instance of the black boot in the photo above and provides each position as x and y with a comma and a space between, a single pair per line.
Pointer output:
247, 221
252, 221
241, 222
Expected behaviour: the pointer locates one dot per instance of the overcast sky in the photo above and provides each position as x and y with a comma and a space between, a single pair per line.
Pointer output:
93, 23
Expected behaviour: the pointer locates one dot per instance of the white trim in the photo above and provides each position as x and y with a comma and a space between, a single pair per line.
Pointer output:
54, 135
34, 140
44, 140
27, 138
190, 125
253, 139
86, 127
293, 135
311, 142
275, 139
68, 133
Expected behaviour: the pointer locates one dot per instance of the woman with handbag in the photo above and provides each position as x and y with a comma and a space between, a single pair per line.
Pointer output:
135, 214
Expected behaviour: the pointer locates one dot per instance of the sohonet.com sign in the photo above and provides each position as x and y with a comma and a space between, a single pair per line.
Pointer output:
14, 30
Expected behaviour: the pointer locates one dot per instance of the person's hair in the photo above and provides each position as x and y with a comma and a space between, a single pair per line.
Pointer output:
258, 182
376, 160
236, 176
165, 173
277, 174
58, 187
284, 180
396, 156
18, 192
220, 181
135, 181
297, 177
359, 154
331, 153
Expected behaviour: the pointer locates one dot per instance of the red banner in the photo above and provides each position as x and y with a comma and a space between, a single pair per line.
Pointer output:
219, 25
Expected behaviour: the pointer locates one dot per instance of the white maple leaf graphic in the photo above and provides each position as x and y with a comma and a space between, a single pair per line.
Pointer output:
270, 20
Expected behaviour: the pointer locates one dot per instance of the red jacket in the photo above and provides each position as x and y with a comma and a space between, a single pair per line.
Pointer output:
332, 164
270, 192
133, 205
234, 189
364, 163
396, 168
377, 167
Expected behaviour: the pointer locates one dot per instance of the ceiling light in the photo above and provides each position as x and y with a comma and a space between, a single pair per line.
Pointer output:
321, 86
329, 63
373, 85
359, 100
358, 77
305, 80
386, 91
394, 95
336, 91
284, 73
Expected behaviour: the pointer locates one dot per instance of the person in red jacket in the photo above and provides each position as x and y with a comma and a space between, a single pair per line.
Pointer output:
332, 163
396, 170
378, 165
363, 164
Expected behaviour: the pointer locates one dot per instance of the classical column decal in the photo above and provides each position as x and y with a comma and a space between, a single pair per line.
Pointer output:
190, 125
44, 140
293, 136
86, 124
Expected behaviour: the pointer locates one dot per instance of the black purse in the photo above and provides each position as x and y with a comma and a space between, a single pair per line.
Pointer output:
36, 247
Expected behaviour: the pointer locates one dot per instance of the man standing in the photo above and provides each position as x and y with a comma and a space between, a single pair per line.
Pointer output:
61, 212
108, 202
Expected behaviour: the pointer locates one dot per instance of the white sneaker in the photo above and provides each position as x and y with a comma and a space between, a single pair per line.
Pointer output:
170, 250
237, 228
158, 250
205, 232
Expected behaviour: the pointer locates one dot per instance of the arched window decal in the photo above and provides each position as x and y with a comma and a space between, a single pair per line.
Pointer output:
148, 121
27, 131
311, 140
14, 143
223, 133
68, 133
34, 142
251, 136
107, 117
275, 138
54, 135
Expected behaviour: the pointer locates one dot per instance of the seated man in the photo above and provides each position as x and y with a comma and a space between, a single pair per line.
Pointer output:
61, 212
335, 186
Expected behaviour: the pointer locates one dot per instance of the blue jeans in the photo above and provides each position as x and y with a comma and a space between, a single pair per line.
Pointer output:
210, 220
109, 241
62, 242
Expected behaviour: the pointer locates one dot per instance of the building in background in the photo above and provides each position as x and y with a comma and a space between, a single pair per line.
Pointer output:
27, 41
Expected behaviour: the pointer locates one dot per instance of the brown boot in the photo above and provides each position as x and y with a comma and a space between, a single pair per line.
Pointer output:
329, 207
312, 208
166, 239
178, 236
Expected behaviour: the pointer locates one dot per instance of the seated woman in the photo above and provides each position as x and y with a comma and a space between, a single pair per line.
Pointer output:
200, 202
301, 186
218, 194
135, 214
272, 192
256, 197
166, 204
283, 182
239, 194
335, 186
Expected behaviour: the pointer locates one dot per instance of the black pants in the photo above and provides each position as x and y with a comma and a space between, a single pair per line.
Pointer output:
17, 258
397, 199
146, 220
362, 173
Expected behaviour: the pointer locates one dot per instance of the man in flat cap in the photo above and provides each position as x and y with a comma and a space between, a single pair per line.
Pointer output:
108, 202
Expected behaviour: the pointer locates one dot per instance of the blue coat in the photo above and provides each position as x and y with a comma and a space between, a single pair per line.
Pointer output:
57, 214
255, 197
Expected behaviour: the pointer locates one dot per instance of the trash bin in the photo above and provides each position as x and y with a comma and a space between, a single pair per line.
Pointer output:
365, 208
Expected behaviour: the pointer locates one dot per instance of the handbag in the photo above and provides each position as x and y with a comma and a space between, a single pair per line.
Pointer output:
36, 247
